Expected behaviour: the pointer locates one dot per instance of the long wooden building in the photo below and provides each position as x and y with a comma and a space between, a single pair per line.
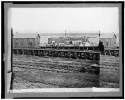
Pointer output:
26, 40
109, 40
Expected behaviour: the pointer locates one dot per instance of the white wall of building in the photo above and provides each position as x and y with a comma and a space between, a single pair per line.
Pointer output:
44, 39
94, 40
87, 44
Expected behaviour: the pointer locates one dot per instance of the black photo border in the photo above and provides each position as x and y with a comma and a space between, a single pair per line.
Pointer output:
92, 95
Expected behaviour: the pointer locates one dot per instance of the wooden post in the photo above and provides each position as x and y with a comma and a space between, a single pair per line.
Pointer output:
40, 53
93, 57
27, 52
33, 53
58, 53
80, 55
70, 55
109, 52
52, 53
22, 52
17, 52
76, 55
85, 55
105, 52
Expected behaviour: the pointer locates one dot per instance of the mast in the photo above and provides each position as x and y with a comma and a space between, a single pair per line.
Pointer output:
99, 35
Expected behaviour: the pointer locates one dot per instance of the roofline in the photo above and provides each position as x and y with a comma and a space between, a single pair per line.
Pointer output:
115, 35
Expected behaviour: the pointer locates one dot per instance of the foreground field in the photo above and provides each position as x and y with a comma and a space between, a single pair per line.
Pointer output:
50, 72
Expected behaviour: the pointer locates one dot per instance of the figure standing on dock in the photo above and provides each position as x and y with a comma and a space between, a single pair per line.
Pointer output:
101, 47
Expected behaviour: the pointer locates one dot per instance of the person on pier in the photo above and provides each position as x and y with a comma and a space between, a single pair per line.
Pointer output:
101, 47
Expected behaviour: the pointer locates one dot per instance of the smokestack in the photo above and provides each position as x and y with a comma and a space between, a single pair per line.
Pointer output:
99, 33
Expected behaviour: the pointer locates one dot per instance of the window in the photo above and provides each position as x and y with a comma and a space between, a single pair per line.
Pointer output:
107, 44
16, 40
106, 40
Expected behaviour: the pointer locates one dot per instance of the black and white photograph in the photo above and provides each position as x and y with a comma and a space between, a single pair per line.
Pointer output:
58, 49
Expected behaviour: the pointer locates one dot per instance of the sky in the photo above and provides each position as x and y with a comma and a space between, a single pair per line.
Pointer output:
57, 20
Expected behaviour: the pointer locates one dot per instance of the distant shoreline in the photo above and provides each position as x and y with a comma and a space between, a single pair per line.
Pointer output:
66, 34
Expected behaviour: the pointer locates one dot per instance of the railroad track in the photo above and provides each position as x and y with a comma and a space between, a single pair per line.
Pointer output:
65, 61
64, 70
54, 67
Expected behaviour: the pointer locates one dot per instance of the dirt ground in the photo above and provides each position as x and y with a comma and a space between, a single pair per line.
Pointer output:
50, 72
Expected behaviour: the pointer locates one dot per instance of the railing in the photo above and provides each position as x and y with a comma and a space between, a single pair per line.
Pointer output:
95, 48
108, 51
74, 54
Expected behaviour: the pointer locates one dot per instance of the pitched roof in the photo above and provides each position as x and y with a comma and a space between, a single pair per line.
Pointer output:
117, 40
107, 35
30, 35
